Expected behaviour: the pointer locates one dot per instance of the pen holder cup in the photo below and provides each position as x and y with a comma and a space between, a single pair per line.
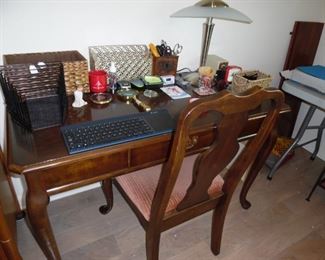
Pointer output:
164, 65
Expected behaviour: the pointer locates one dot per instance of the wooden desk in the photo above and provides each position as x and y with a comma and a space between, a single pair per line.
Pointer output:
48, 169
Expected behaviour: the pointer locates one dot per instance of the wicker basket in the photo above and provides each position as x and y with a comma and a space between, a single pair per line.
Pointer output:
247, 79
75, 66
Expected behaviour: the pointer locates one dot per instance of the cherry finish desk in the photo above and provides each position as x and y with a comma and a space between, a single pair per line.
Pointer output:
48, 169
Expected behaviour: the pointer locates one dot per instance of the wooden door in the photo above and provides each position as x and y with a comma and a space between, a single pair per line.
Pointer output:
301, 52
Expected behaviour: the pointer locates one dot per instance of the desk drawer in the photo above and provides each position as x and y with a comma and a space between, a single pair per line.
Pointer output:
83, 170
199, 140
150, 154
154, 153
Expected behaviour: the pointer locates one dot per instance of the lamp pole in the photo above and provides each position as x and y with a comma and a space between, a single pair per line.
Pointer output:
206, 38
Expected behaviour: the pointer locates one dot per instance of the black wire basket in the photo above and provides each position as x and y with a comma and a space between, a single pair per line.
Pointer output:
35, 94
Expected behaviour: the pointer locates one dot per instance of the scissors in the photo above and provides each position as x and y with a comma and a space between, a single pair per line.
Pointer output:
163, 42
177, 49
164, 49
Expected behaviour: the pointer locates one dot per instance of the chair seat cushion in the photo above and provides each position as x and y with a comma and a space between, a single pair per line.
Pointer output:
140, 186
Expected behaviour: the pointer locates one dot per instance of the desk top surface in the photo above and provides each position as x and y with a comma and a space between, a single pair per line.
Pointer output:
44, 147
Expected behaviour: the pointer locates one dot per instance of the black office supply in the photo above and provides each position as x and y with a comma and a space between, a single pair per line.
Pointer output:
111, 131
137, 83
123, 84
35, 97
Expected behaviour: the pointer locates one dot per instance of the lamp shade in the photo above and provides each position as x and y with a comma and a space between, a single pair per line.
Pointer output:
212, 9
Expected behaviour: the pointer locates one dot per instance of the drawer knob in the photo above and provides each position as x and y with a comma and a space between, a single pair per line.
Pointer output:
191, 141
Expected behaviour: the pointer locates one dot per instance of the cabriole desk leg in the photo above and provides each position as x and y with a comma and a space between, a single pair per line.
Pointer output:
255, 168
107, 188
36, 202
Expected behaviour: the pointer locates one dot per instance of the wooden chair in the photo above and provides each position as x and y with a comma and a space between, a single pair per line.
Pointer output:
8, 211
185, 187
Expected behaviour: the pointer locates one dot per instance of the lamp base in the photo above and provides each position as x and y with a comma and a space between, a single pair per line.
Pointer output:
192, 77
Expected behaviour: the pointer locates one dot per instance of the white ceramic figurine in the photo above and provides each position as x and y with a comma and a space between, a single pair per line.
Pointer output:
78, 100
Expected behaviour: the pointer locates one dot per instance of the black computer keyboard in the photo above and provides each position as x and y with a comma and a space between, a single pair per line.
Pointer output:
111, 131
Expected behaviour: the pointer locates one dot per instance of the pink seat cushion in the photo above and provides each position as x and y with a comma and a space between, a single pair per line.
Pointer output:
140, 186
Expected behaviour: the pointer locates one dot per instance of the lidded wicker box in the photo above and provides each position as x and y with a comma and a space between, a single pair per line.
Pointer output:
245, 80
75, 66
131, 61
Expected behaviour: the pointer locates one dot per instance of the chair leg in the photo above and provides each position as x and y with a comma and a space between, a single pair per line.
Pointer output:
218, 220
319, 179
318, 139
255, 169
107, 189
152, 245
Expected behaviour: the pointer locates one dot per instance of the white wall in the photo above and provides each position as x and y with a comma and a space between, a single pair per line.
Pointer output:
49, 25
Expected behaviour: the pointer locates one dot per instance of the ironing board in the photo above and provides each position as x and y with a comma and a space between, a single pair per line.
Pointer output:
320, 182
316, 99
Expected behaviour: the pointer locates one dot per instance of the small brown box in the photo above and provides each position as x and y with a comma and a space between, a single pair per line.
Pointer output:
164, 65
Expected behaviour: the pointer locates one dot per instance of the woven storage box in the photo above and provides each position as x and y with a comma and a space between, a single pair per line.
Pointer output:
35, 99
131, 61
247, 79
75, 66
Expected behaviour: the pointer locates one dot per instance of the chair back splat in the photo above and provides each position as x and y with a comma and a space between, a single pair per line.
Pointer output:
182, 194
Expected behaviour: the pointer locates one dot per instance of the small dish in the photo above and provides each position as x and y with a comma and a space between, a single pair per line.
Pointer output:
101, 98
150, 93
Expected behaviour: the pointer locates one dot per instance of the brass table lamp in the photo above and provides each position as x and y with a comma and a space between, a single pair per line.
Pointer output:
210, 9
